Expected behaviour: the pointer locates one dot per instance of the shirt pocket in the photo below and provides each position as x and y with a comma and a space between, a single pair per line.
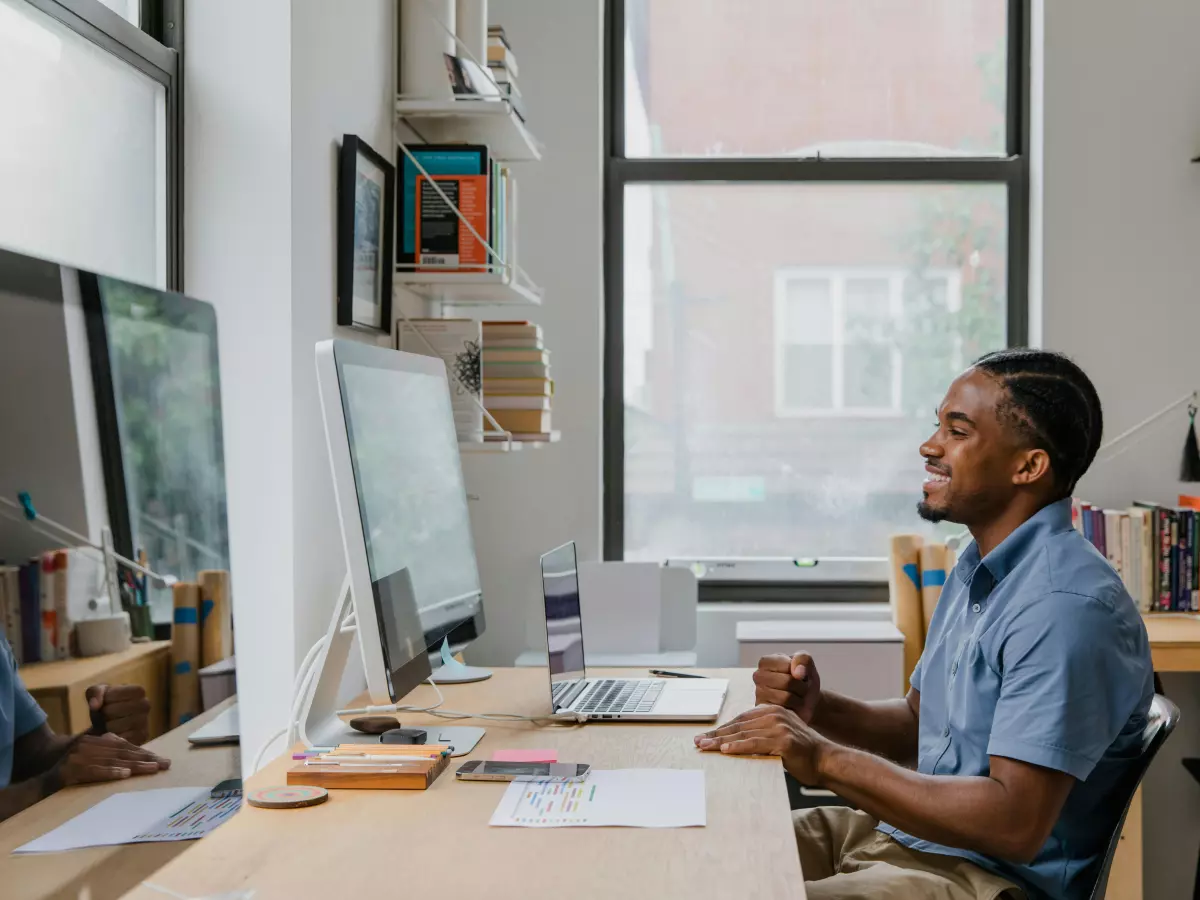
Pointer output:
974, 690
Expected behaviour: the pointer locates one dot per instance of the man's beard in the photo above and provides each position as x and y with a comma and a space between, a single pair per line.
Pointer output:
932, 513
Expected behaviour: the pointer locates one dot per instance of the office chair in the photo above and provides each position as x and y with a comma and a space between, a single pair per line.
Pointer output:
1164, 716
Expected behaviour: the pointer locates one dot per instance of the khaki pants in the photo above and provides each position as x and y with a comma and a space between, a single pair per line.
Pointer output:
844, 857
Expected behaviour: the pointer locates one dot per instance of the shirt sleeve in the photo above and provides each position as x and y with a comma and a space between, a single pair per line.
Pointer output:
915, 678
1070, 680
27, 715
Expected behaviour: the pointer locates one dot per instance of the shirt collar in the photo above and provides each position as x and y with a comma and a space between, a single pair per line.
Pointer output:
1024, 540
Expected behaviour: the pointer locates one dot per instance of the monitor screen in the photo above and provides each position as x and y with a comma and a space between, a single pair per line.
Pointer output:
564, 623
413, 505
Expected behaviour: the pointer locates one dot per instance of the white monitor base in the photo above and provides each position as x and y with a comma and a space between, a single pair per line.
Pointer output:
459, 674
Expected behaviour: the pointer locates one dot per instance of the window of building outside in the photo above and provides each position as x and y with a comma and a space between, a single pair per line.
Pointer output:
816, 220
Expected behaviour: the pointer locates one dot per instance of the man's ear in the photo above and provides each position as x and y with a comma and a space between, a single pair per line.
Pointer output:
1032, 467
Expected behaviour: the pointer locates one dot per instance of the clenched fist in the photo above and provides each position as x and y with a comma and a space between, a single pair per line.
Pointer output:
123, 710
791, 682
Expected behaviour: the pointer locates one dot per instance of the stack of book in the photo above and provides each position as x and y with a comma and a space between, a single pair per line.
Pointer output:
1152, 548
502, 64
516, 380
432, 236
41, 600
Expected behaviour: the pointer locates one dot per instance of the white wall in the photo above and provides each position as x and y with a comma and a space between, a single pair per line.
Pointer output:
271, 88
530, 502
1121, 266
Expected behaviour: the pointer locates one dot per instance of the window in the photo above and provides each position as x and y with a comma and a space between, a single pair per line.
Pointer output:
90, 175
815, 217
836, 346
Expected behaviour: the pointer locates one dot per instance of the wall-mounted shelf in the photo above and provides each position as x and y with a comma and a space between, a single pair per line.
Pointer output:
469, 288
477, 121
498, 445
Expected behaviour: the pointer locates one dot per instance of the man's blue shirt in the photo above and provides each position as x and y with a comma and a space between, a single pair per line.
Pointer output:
1037, 653
19, 712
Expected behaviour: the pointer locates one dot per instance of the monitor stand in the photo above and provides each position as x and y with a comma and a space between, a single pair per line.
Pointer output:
451, 671
320, 725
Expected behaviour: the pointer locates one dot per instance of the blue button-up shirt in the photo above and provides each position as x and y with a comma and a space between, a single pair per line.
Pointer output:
19, 712
1037, 653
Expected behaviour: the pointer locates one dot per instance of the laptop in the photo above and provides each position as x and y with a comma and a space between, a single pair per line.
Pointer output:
606, 699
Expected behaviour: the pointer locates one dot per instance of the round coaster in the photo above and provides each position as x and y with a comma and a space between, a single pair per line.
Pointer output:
290, 796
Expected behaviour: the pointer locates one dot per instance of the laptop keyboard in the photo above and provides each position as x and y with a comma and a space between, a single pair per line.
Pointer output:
620, 696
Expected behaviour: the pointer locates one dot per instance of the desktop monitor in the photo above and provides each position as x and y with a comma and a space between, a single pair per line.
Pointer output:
402, 506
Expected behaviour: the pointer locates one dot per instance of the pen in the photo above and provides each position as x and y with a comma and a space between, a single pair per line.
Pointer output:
663, 673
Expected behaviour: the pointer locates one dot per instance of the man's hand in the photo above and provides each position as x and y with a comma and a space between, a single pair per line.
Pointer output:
771, 731
790, 682
103, 758
123, 710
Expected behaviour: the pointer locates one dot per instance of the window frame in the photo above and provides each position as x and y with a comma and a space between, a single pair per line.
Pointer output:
155, 49
1012, 170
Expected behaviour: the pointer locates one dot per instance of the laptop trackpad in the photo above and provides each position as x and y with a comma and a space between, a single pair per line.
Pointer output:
689, 703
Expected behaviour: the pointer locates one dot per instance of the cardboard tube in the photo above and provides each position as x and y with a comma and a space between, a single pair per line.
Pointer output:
185, 654
935, 560
904, 583
216, 623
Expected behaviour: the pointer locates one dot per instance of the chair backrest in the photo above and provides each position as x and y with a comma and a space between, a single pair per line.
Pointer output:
1164, 716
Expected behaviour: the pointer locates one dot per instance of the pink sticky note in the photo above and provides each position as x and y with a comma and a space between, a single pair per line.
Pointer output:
525, 756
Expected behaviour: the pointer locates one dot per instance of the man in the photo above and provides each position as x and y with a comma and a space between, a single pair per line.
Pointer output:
1028, 703
35, 762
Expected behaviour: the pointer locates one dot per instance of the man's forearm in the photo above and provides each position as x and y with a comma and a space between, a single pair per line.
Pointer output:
973, 813
887, 728
24, 794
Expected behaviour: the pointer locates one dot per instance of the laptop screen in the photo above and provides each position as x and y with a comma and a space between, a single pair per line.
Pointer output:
564, 624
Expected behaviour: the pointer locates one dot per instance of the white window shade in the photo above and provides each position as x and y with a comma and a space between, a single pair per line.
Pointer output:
83, 160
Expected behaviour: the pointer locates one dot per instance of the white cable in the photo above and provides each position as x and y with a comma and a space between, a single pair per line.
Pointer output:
265, 747
299, 689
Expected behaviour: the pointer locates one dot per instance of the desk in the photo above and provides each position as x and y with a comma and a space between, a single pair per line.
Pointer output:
105, 873
420, 843
1174, 647
59, 686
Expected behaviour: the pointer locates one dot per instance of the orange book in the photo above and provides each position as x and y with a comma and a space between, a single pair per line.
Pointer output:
1188, 502
443, 242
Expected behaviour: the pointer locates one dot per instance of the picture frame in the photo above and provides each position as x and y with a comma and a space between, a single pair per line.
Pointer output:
366, 216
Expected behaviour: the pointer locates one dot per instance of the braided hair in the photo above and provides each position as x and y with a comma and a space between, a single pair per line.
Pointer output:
1052, 405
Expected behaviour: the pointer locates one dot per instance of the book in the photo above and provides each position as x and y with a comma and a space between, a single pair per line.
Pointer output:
457, 343
62, 625
538, 387
10, 589
496, 32
1127, 560
504, 401
522, 420
514, 344
499, 52
511, 331
1146, 554
515, 370
1137, 581
436, 159
31, 612
443, 242
541, 437
1112, 543
460, 83
46, 605
498, 355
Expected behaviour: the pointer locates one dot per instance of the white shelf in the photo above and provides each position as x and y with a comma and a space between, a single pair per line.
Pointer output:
468, 288
498, 446
476, 121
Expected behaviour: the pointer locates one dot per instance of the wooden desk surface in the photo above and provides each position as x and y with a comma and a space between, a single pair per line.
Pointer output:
87, 670
420, 843
105, 873
1174, 641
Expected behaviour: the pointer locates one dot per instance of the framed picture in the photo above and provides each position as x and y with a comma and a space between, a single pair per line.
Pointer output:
366, 218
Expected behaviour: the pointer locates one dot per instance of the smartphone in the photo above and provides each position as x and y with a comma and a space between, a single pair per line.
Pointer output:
481, 770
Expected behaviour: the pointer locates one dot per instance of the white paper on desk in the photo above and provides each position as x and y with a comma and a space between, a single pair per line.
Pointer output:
637, 798
139, 817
